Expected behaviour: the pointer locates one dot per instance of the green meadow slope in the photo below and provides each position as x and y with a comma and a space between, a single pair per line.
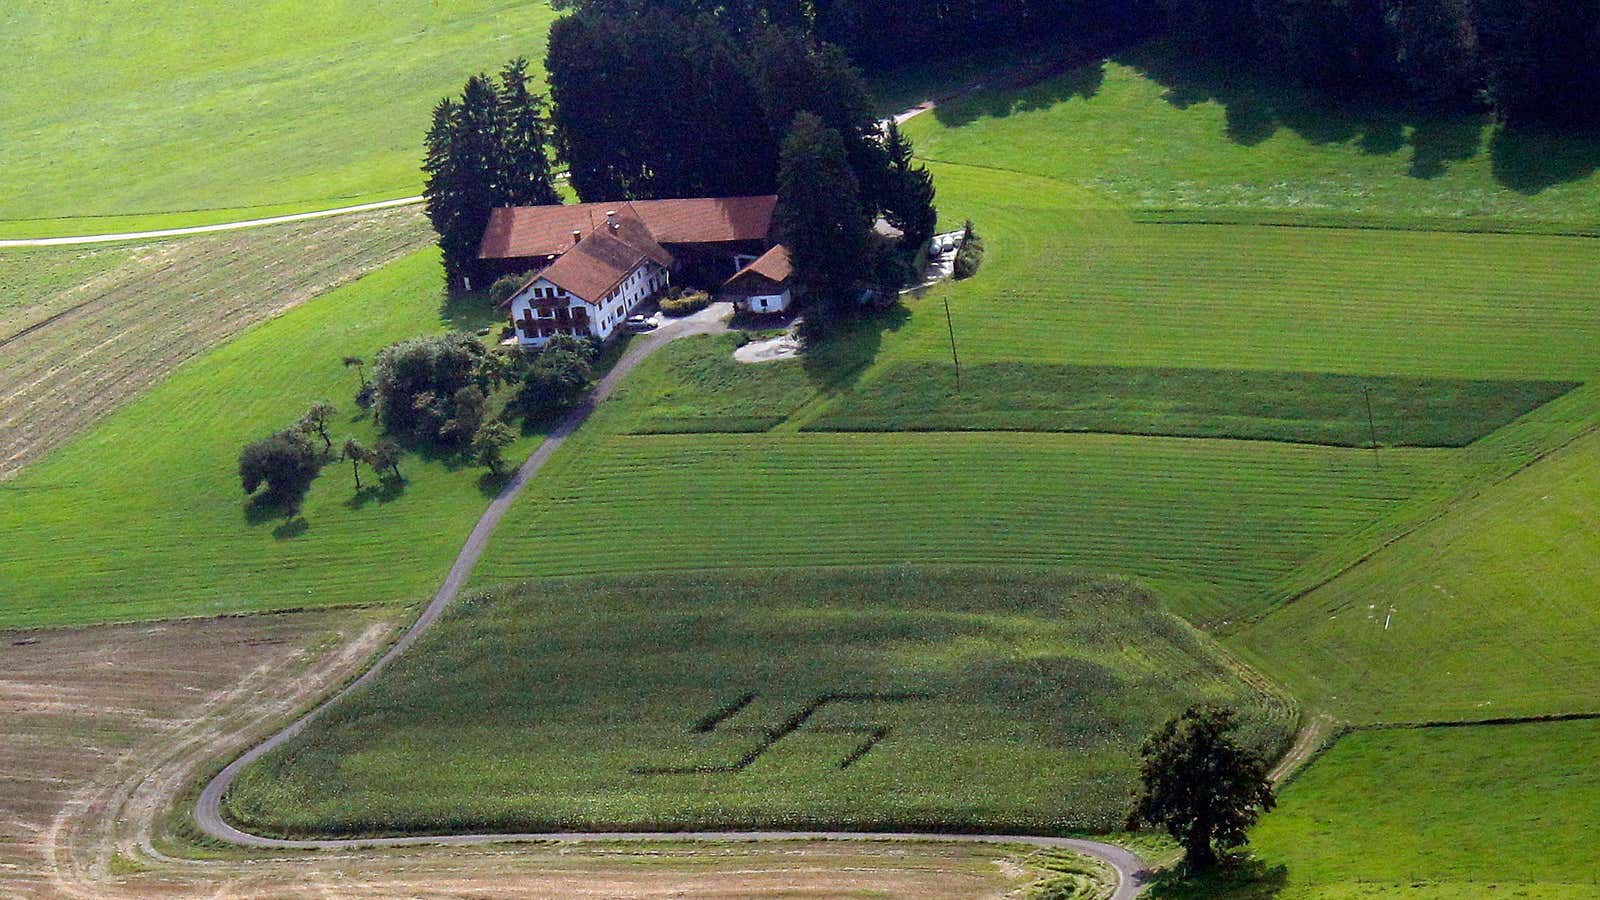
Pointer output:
126, 116
1174, 140
1478, 813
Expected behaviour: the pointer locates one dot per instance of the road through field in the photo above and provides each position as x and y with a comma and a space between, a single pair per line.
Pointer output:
208, 810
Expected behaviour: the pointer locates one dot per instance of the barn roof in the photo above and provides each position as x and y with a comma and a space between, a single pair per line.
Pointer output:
774, 266
603, 258
517, 232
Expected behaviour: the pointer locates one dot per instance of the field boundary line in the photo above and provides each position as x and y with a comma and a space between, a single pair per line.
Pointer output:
1445, 506
206, 229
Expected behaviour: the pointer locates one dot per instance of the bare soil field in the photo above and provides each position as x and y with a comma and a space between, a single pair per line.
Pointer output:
84, 330
103, 730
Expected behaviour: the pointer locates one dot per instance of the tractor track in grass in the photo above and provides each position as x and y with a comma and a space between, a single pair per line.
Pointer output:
1130, 869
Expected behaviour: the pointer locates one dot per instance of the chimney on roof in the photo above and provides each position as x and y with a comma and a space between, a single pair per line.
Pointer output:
611, 220
576, 235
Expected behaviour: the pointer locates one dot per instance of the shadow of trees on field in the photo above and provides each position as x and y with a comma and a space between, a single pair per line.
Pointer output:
835, 363
1256, 107
1047, 85
1236, 878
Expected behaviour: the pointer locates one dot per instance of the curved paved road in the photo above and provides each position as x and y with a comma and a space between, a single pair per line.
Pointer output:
208, 810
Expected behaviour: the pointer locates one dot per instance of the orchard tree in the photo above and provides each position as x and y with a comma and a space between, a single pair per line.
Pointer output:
489, 444
356, 454
285, 462
315, 421
1200, 785
385, 457
557, 377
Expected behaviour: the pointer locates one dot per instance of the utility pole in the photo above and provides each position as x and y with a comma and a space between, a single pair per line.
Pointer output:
1372, 426
950, 324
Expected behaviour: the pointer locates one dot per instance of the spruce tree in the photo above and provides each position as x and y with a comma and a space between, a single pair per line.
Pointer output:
524, 177
820, 214
909, 194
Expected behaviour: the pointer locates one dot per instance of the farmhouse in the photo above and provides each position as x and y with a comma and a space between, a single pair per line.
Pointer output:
595, 262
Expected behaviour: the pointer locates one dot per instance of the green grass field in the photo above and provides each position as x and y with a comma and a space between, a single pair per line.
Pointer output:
965, 699
1486, 612
1158, 134
1479, 813
127, 116
142, 517
1295, 407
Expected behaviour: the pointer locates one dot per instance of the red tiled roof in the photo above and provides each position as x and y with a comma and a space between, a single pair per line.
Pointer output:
603, 259
774, 266
519, 232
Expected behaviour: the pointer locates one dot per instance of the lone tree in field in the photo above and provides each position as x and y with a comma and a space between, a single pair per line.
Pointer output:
315, 421
1201, 786
820, 214
285, 462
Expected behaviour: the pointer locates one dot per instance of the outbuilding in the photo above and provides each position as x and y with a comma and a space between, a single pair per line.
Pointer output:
765, 285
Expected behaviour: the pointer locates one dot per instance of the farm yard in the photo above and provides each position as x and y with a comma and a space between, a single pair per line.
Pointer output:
1262, 401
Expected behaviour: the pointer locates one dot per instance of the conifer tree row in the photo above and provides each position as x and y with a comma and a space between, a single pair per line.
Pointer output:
488, 148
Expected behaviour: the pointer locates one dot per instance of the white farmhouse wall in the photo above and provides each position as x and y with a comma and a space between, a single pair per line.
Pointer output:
604, 317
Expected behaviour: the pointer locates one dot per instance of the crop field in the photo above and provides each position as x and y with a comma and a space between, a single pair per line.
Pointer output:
84, 330
963, 699
1158, 134
1476, 813
127, 116
142, 516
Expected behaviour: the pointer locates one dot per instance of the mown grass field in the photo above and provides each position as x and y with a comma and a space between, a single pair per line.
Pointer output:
1223, 529
142, 516
1478, 813
128, 116
84, 330
1295, 407
957, 699
1158, 134
1487, 612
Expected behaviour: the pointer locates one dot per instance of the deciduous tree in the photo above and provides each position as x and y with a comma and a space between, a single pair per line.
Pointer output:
1199, 785
285, 462
489, 444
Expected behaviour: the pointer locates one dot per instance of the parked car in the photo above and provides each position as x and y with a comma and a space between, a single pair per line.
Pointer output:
638, 323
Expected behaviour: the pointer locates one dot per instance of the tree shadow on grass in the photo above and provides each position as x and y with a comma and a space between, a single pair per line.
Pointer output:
490, 484
1060, 82
291, 528
262, 508
1235, 878
1530, 160
1256, 107
835, 363
385, 491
